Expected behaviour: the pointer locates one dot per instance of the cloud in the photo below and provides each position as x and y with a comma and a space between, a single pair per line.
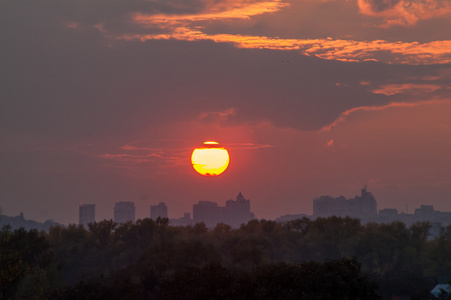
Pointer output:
218, 117
142, 153
344, 115
72, 84
129, 158
406, 88
194, 27
222, 22
140, 158
404, 12
376, 6
214, 10
151, 162
247, 146
331, 49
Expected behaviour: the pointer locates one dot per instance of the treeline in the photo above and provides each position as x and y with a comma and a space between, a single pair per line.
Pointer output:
326, 258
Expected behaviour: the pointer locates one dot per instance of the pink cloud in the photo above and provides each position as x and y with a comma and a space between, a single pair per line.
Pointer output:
72, 25
344, 115
190, 27
214, 10
406, 88
404, 12
129, 158
218, 116
247, 146
331, 49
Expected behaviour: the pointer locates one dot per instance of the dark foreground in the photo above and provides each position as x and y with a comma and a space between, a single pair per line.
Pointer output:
332, 258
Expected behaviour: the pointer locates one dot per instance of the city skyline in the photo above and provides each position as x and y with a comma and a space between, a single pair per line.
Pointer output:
105, 102
237, 212
88, 210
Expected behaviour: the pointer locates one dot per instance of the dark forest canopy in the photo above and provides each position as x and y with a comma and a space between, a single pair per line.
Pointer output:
326, 258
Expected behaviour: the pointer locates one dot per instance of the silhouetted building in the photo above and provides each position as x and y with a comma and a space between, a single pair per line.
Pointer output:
86, 214
238, 212
387, 215
235, 213
124, 212
159, 210
363, 206
425, 211
20, 222
388, 212
183, 221
208, 212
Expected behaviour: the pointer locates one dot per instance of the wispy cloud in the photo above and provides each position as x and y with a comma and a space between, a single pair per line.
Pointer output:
344, 115
142, 153
216, 10
138, 154
332, 49
247, 146
190, 27
406, 88
131, 159
217, 116
131, 147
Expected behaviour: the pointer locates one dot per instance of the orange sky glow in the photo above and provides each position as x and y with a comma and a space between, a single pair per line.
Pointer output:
309, 98
183, 27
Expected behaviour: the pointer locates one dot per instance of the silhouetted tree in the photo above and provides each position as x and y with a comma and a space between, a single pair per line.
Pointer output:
149, 255
102, 230
23, 254
335, 279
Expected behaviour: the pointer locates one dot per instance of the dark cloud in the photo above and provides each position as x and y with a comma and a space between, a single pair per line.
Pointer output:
381, 5
57, 81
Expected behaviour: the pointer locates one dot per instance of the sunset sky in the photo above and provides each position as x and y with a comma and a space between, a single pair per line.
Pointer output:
104, 101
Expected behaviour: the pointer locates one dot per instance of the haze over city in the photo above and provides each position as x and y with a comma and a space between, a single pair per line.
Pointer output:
102, 102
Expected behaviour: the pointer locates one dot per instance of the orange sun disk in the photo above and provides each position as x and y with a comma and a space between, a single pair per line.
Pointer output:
210, 159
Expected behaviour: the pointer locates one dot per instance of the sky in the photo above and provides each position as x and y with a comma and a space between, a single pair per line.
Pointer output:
104, 101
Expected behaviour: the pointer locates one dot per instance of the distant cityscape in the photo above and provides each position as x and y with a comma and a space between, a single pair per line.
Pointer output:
237, 212
364, 207
234, 213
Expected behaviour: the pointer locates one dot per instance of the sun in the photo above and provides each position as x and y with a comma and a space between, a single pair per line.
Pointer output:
210, 159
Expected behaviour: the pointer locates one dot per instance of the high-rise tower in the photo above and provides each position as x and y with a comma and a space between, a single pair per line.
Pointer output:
124, 212
159, 210
86, 214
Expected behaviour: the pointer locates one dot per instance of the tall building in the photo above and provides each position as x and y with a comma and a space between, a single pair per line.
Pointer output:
238, 212
86, 214
425, 211
208, 212
159, 210
363, 206
183, 221
124, 212
235, 213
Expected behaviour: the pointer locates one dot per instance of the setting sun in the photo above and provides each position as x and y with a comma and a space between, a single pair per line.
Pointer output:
210, 159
